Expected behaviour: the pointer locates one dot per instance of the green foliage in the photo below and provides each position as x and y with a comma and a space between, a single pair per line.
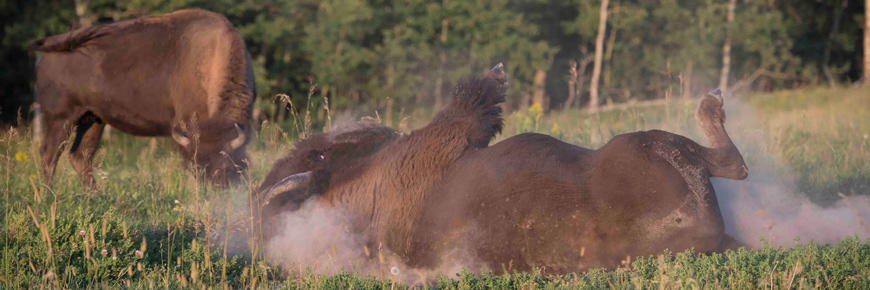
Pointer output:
822, 136
363, 53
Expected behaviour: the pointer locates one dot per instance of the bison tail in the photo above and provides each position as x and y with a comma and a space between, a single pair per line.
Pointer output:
70, 41
478, 99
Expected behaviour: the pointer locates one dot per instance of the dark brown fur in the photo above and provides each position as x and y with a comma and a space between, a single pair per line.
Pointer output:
186, 71
321, 154
534, 201
385, 187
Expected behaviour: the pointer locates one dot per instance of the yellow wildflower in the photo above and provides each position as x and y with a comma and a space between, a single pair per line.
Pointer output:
21, 156
555, 130
536, 109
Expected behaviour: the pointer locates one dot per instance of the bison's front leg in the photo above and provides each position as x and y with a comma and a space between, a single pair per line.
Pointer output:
56, 131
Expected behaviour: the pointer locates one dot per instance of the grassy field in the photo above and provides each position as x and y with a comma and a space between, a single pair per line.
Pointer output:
151, 224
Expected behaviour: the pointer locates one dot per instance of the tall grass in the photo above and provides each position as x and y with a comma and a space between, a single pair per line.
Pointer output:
152, 224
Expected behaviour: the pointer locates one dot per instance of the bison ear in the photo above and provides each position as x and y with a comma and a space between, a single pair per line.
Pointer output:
497, 73
288, 185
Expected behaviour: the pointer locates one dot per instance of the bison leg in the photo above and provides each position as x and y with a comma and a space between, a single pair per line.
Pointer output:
89, 129
56, 131
724, 159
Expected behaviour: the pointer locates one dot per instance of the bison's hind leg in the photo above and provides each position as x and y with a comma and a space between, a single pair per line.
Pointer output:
724, 158
89, 129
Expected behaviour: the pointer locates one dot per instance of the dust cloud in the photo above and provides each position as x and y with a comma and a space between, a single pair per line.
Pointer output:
319, 237
770, 206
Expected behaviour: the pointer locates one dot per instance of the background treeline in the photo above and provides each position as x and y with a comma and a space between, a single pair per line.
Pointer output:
398, 55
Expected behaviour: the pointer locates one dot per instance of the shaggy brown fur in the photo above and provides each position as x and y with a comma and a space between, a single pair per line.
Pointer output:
320, 154
386, 190
186, 72
534, 201
384, 185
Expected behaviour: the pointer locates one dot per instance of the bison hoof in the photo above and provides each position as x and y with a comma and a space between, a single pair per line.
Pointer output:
717, 93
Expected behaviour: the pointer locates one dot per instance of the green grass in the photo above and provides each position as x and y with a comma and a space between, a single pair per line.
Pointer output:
147, 202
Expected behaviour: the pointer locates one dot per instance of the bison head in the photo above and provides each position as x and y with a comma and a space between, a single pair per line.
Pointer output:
217, 148
306, 170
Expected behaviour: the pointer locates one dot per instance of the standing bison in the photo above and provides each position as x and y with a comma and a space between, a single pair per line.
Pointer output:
184, 74
528, 201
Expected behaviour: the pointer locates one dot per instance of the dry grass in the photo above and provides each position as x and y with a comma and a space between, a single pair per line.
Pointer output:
191, 234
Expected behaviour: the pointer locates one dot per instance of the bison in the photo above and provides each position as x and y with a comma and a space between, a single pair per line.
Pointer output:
528, 201
184, 74
534, 201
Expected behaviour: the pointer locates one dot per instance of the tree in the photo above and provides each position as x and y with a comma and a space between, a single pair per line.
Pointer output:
599, 47
726, 48
826, 58
481, 33
866, 74
577, 78
336, 43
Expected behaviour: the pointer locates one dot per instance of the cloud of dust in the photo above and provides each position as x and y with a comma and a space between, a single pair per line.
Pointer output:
319, 238
767, 205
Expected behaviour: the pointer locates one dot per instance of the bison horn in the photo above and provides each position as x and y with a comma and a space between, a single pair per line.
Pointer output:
240, 140
180, 139
497, 73
292, 182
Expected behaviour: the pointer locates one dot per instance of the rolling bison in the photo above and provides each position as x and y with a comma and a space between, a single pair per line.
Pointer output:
530, 200
184, 74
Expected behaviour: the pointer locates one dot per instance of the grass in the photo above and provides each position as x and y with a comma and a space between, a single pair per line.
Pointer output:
161, 228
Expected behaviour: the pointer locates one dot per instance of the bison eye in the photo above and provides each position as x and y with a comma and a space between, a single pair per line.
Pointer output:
316, 156
679, 220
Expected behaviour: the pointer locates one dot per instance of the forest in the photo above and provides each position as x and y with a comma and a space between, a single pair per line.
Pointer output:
394, 55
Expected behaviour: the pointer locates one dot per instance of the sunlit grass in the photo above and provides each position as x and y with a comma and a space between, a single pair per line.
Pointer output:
148, 202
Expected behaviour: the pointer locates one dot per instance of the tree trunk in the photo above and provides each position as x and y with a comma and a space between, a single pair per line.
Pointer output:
280, 112
85, 20
599, 49
391, 80
572, 85
437, 93
826, 56
418, 99
581, 77
389, 112
540, 78
524, 102
866, 43
578, 75
687, 81
726, 48
608, 55
324, 93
